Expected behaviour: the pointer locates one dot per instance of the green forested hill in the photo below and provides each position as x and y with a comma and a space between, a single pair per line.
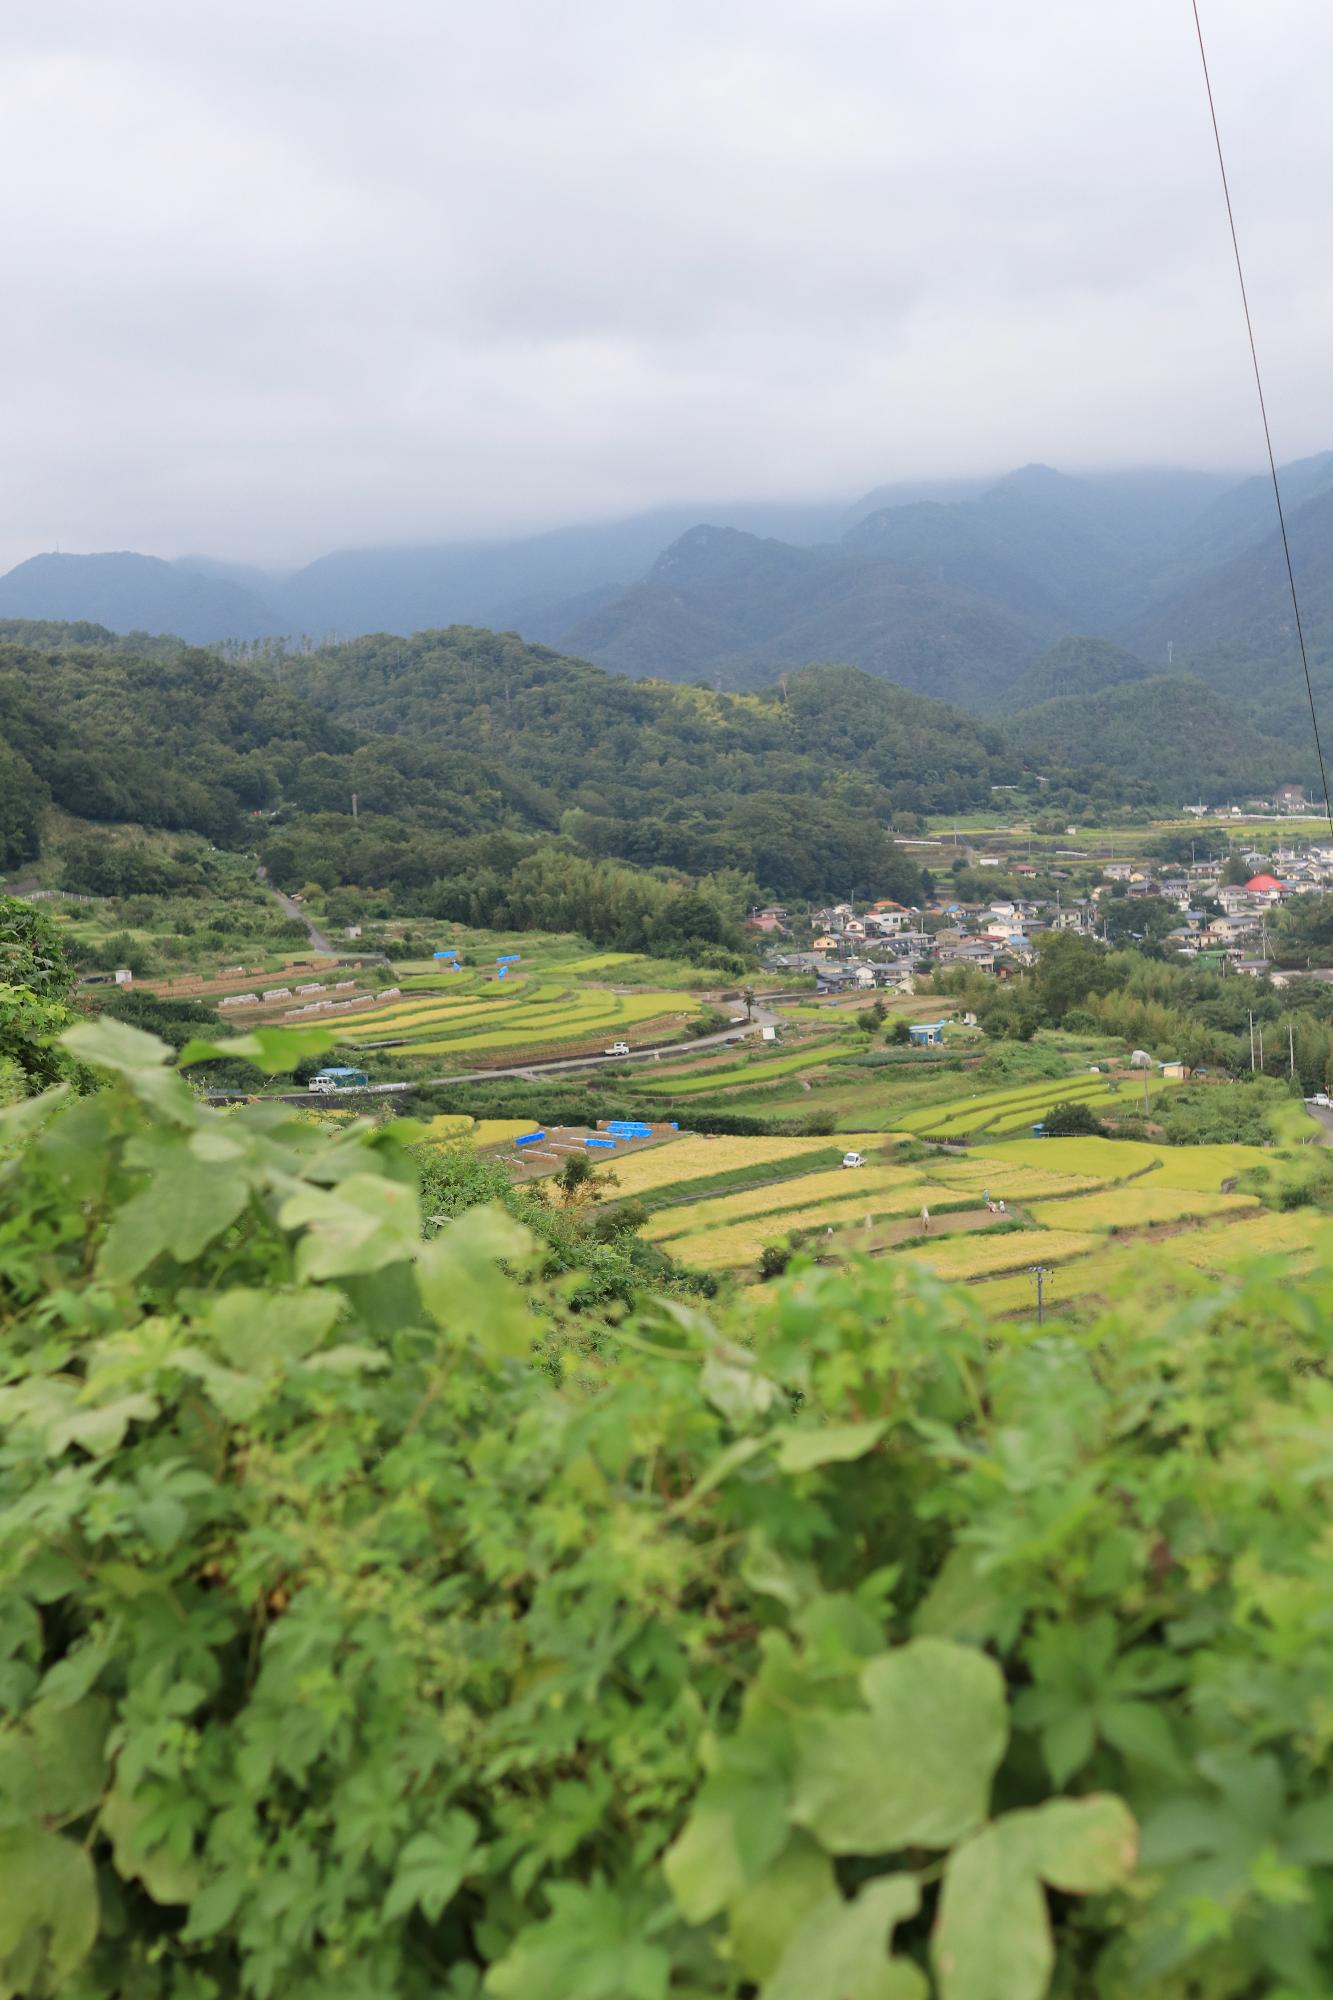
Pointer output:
466, 735
611, 744
1076, 666
1173, 733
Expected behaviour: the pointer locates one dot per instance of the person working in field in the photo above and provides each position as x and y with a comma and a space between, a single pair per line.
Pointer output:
925, 1220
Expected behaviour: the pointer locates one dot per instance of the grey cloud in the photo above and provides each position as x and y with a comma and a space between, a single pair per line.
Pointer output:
300, 273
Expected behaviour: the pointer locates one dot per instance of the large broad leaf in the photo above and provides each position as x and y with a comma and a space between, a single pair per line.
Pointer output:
48, 1910
803, 1448
738, 1825
914, 1768
360, 1226
188, 1202
53, 1767
593, 1946
141, 1059
274, 1050
992, 1935
840, 1950
762, 1918
462, 1289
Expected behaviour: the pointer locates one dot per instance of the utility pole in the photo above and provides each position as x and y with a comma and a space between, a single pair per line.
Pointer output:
1251, 1041
1291, 1045
1261, 1047
1039, 1272
354, 805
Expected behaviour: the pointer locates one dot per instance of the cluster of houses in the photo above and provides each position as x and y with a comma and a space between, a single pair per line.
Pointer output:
884, 946
888, 944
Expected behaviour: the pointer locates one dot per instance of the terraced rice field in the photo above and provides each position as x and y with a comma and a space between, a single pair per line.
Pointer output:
524, 1020
1203, 1167
761, 1070
807, 1194
999, 1111
738, 1244
1140, 1206
699, 1156
972, 1256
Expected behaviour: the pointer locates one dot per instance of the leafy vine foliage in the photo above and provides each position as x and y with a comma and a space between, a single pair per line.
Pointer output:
839, 1645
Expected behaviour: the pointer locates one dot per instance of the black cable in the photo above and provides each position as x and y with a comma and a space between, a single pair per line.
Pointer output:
1263, 412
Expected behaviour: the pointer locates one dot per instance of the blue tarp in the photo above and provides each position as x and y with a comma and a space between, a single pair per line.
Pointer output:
600, 1142
529, 1138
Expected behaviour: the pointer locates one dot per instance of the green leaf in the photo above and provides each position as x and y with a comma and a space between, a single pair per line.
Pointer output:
964, 1602
110, 1044
100, 1430
431, 1868
992, 1936
593, 1946
362, 1225
48, 1904
840, 1950
916, 1769
464, 1292
992, 1940
166, 1878
826, 1444
187, 1203
763, 1917
140, 1059
65, 1747
1083, 1846
737, 1827
274, 1050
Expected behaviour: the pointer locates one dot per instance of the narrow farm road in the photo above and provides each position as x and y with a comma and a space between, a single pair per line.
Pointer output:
293, 909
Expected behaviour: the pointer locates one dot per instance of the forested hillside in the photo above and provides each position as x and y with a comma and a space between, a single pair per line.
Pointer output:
1077, 666
1172, 733
961, 596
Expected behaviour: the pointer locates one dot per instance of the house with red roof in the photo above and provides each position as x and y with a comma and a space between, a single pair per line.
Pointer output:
1266, 886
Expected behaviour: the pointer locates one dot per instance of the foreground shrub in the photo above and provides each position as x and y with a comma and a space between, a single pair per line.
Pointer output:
844, 1649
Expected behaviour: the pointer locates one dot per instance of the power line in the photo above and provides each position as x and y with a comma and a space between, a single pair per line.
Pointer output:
1263, 410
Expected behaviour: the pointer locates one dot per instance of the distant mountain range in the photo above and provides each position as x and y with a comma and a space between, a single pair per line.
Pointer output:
966, 591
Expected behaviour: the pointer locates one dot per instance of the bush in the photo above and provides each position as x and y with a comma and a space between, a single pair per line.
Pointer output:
1072, 1121
347, 1652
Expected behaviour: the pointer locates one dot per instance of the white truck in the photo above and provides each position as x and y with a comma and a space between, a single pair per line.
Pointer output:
617, 1049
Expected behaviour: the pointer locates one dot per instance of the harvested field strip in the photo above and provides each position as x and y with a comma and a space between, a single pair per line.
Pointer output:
1203, 1167
695, 1083
537, 1036
1221, 1248
1139, 1206
974, 1256
685, 1194
983, 1113
699, 1154
1010, 1181
740, 1242
809, 1191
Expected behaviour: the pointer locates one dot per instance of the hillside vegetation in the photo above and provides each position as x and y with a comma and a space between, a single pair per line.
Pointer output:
380, 1608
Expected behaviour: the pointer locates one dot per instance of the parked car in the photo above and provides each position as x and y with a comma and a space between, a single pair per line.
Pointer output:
853, 1159
617, 1049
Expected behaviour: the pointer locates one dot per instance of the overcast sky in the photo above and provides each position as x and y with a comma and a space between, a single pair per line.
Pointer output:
284, 275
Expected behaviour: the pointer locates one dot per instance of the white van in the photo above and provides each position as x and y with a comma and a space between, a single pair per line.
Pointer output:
853, 1159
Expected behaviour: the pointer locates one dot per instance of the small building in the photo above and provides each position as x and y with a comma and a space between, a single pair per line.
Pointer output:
926, 1034
1175, 1072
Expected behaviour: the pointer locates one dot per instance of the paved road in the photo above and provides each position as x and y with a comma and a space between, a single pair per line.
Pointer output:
763, 1018
293, 909
1324, 1120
